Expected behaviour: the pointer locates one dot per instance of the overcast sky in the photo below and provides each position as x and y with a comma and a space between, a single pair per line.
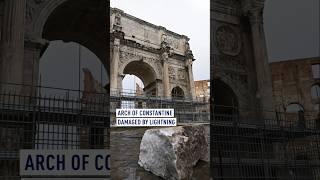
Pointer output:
291, 27
187, 17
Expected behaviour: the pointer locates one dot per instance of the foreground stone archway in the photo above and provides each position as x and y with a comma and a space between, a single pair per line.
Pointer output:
240, 55
40, 21
26, 30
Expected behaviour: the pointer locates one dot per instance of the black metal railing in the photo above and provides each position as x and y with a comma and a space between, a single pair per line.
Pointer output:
187, 110
67, 120
246, 146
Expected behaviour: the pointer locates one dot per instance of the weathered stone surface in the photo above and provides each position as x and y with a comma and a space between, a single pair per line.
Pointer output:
164, 58
172, 152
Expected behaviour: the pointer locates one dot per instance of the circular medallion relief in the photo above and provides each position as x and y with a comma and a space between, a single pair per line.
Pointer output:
228, 41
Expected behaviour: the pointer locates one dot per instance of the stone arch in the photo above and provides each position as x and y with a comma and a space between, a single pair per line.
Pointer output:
294, 107
177, 92
78, 21
238, 91
147, 64
315, 91
144, 71
47, 8
225, 99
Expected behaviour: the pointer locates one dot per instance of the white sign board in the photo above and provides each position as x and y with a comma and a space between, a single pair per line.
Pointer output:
55, 163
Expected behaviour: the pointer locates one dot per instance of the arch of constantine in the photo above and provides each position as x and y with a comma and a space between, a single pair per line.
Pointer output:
162, 59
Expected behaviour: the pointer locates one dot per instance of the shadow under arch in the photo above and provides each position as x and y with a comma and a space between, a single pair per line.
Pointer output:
80, 21
225, 100
177, 93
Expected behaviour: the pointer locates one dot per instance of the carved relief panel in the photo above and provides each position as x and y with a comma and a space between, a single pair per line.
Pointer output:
172, 73
182, 75
177, 75
228, 40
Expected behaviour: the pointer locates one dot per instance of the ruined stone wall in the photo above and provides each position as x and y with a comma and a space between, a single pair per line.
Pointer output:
203, 90
292, 83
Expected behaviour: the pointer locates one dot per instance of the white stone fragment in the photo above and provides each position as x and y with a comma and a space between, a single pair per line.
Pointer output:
172, 152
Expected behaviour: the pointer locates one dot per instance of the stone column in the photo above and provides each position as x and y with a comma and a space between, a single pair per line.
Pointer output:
264, 89
31, 62
114, 66
191, 80
12, 43
165, 78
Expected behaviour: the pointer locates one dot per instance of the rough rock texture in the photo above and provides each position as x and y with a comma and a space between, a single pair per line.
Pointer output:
206, 157
172, 152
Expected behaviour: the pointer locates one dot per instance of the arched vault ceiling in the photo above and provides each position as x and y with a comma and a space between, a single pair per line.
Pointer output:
80, 21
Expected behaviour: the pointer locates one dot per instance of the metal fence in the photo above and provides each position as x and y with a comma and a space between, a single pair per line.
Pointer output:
243, 145
285, 147
186, 110
65, 120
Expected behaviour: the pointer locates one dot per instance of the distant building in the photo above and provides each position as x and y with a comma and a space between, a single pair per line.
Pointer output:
202, 90
296, 87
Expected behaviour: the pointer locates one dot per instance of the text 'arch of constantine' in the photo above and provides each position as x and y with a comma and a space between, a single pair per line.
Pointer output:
160, 58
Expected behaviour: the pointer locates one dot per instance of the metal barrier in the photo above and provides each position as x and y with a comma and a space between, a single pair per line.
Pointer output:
186, 110
58, 121
286, 147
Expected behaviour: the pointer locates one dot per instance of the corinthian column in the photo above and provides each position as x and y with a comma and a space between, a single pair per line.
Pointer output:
191, 80
165, 78
32, 51
114, 65
264, 90
12, 44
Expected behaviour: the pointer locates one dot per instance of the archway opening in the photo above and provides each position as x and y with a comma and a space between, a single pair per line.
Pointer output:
315, 92
177, 93
132, 86
225, 100
71, 66
82, 38
84, 67
142, 72
295, 115
140, 81
294, 108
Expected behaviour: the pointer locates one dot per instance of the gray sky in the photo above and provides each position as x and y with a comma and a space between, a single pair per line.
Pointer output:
59, 66
187, 17
291, 27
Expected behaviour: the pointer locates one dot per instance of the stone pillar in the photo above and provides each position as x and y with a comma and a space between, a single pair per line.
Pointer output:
31, 62
264, 89
114, 66
165, 79
191, 80
12, 43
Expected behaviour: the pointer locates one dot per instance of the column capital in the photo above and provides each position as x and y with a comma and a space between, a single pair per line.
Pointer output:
116, 42
189, 62
256, 16
254, 10
35, 43
248, 5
